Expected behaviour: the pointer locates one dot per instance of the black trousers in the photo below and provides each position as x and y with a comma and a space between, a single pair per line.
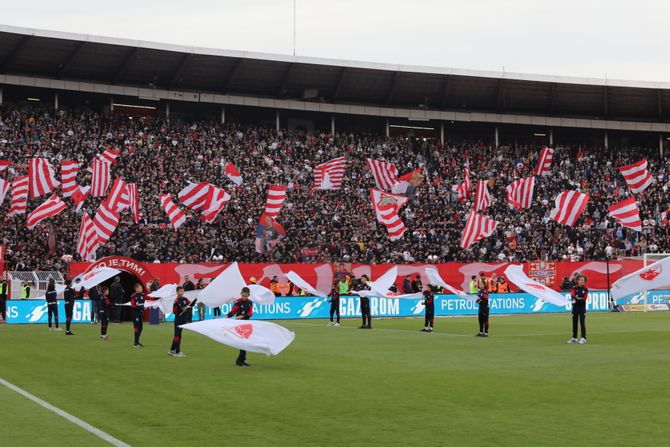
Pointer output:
176, 340
217, 311
3, 307
483, 316
578, 316
138, 324
104, 321
335, 309
430, 316
116, 313
69, 307
95, 311
52, 310
242, 357
365, 312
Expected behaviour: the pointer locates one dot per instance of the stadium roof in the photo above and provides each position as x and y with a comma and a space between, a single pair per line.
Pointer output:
67, 56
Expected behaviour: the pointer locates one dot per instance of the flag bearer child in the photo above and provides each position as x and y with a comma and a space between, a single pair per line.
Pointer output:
579, 294
243, 309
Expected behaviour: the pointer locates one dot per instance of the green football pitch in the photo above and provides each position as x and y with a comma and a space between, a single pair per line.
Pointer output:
390, 386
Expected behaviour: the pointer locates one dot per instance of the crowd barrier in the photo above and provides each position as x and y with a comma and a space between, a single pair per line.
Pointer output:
34, 311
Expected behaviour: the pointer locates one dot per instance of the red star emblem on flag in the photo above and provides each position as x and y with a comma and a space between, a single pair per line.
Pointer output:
650, 274
244, 330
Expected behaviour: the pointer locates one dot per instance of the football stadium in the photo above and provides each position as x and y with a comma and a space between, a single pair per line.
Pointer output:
203, 246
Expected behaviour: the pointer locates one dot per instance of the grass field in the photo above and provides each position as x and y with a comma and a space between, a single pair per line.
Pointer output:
392, 385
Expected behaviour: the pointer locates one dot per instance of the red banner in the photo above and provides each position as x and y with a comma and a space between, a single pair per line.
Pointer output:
324, 275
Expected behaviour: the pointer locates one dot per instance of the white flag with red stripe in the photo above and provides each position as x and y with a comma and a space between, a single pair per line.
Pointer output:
80, 195
216, 201
105, 222
19, 201
87, 242
516, 276
109, 155
68, 177
50, 208
637, 176
544, 162
520, 193
174, 213
194, 196
654, 276
4, 164
463, 190
233, 174
385, 173
626, 213
42, 177
330, 175
569, 206
275, 200
4, 189
483, 197
477, 227
134, 197
101, 178
118, 197
387, 207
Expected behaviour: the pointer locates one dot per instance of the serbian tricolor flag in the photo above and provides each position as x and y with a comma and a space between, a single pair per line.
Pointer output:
268, 234
250, 335
408, 183
233, 174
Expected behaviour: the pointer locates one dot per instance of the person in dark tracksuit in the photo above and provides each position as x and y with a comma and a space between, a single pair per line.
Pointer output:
579, 294
243, 309
4, 290
429, 303
182, 315
52, 304
94, 296
483, 314
68, 296
365, 303
137, 308
105, 311
334, 306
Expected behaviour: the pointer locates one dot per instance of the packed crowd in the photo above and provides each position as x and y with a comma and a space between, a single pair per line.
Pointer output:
321, 226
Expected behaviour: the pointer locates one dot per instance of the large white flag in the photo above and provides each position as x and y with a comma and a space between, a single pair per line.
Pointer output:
304, 285
95, 277
516, 276
436, 280
653, 276
381, 287
250, 335
227, 287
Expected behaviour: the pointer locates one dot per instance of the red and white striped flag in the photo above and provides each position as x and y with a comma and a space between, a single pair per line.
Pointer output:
4, 189
329, 175
483, 197
51, 207
19, 201
638, 178
569, 206
118, 197
68, 177
275, 200
105, 222
4, 164
544, 163
626, 213
101, 178
134, 197
385, 173
175, 214
216, 201
194, 196
80, 195
109, 155
476, 228
42, 177
463, 190
87, 242
520, 192
387, 207
233, 174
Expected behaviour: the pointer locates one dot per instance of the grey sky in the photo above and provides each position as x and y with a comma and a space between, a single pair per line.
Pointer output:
596, 38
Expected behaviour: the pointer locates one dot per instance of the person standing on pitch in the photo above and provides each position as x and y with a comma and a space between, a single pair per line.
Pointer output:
94, 296
68, 296
3, 298
579, 294
137, 308
104, 311
483, 314
429, 303
52, 304
182, 311
243, 309
116, 294
334, 305
365, 303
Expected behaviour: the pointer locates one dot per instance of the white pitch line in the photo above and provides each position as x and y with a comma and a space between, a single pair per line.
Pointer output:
75, 420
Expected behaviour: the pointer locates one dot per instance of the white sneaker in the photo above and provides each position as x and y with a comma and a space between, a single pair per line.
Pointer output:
582, 341
331, 323
104, 337
337, 324
51, 329
171, 353
180, 354
572, 341
58, 329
